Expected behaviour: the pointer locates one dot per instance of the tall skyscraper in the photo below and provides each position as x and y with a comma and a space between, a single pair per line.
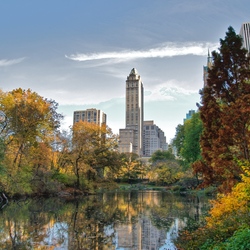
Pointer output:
90, 115
245, 34
131, 138
206, 68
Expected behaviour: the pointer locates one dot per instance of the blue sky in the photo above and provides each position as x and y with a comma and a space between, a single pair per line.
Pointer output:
79, 53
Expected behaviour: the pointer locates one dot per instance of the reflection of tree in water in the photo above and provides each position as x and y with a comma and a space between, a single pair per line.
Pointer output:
89, 223
188, 209
21, 224
161, 222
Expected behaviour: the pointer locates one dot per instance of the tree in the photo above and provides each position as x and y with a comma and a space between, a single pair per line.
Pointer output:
225, 114
93, 150
190, 150
160, 155
31, 122
179, 138
130, 166
226, 219
165, 169
167, 172
30, 118
187, 140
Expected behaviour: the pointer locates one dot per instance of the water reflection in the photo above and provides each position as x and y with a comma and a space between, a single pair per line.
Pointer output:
121, 221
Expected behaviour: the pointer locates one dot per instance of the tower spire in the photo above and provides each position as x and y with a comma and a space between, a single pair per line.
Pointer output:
209, 59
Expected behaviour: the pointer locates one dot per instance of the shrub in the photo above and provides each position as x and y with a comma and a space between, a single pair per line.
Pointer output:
66, 179
175, 188
210, 191
227, 217
240, 240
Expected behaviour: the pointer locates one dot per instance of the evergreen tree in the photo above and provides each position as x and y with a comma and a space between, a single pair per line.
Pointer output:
225, 114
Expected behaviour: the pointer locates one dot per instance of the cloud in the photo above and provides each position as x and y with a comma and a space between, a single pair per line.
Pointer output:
5, 62
165, 50
167, 91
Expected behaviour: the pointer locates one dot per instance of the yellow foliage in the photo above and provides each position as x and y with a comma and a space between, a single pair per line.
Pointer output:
235, 202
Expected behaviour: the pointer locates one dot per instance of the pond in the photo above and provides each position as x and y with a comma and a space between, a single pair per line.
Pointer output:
116, 220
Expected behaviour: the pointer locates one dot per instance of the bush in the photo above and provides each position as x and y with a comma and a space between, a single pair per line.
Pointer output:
210, 191
66, 179
240, 240
104, 184
225, 225
44, 183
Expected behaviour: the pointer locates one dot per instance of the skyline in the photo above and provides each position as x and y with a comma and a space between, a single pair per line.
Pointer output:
80, 53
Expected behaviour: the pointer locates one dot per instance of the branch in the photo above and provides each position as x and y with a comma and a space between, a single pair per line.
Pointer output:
4, 198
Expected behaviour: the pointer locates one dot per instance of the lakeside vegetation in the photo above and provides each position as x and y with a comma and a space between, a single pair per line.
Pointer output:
224, 143
212, 153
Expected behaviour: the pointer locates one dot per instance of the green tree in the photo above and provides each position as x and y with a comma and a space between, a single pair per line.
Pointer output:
187, 140
160, 155
167, 172
179, 138
165, 169
190, 150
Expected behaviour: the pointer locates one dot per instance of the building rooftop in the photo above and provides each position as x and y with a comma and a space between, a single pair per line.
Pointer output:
133, 72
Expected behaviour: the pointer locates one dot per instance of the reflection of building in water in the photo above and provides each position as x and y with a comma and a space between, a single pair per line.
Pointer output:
142, 235
124, 236
152, 238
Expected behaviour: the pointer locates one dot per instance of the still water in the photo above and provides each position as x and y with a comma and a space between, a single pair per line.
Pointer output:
121, 221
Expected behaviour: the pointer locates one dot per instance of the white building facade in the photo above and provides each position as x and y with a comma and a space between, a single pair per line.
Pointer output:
153, 139
245, 34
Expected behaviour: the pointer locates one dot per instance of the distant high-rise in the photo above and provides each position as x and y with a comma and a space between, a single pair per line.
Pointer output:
153, 139
189, 115
131, 138
90, 115
245, 34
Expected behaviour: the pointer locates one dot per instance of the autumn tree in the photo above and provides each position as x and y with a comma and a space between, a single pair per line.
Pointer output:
165, 169
93, 150
227, 219
131, 167
30, 126
225, 113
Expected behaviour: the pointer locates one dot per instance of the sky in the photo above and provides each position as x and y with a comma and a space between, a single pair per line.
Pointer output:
79, 53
